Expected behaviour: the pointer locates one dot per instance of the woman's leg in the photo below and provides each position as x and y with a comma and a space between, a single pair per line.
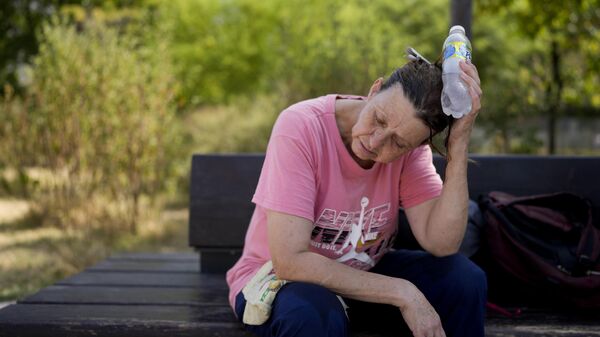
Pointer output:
455, 287
300, 309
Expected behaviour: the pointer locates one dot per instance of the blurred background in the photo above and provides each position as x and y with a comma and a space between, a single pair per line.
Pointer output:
103, 103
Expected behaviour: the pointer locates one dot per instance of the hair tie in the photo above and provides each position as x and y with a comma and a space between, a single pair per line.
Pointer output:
413, 55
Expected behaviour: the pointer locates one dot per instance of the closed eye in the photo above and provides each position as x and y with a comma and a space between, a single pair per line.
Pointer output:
379, 120
400, 145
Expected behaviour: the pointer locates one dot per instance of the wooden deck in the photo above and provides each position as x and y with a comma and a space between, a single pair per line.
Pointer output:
166, 295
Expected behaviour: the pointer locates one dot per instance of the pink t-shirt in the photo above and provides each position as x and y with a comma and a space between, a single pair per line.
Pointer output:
308, 172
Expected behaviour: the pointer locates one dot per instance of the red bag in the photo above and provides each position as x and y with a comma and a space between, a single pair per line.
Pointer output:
547, 242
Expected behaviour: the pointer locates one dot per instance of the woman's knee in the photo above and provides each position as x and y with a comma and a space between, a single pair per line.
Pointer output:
304, 309
465, 277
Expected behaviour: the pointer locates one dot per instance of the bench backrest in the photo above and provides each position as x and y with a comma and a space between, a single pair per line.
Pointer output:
222, 187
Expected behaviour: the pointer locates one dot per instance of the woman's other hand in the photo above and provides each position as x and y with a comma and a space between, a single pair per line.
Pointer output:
420, 316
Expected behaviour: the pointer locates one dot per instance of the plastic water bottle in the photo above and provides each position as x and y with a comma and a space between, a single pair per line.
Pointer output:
456, 100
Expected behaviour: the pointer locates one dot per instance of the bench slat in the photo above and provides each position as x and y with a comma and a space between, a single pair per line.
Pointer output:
36, 313
147, 266
148, 256
117, 320
134, 296
137, 279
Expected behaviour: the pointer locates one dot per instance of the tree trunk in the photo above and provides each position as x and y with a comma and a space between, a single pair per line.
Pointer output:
554, 94
461, 14
505, 139
134, 213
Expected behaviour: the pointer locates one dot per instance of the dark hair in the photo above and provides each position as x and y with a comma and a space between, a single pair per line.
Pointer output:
422, 85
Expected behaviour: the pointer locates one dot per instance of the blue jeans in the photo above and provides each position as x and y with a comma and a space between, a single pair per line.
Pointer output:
454, 286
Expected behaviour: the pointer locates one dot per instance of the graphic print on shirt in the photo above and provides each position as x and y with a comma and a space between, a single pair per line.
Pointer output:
355, 238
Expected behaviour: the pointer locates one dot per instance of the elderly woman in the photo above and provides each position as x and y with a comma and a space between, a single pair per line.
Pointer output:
337, 169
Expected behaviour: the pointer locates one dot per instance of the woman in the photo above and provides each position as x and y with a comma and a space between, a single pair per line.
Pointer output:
336, 170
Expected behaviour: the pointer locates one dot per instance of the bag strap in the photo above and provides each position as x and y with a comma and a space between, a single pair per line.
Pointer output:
506, 200
588, 250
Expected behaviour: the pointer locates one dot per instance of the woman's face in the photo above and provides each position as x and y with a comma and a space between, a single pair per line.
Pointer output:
387, 127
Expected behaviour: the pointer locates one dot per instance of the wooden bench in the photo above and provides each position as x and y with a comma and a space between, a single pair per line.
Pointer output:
185, 294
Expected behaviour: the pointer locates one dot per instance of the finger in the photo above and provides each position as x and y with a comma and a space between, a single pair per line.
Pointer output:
439, 332
475, 99
434, 330
472, 83
474, 67
469, 63
471, 70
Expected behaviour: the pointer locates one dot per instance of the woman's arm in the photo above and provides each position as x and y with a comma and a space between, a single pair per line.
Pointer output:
439, 224
289, 239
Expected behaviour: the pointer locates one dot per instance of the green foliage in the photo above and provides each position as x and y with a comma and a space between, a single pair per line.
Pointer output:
20, 21
343, 46
221, 49
529, 78
498, 54
298, 49
97, 122
18, 24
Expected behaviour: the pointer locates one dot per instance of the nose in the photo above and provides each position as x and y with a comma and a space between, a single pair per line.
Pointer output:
376, 139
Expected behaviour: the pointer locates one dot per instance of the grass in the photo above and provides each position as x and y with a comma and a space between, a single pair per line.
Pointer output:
34, 256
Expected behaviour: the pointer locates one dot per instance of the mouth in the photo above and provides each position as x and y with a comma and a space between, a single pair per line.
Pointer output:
367, 150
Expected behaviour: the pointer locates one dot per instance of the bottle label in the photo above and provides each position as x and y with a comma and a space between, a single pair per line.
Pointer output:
457, 49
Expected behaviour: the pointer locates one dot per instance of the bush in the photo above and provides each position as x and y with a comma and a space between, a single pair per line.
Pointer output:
241, 127
97, 122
